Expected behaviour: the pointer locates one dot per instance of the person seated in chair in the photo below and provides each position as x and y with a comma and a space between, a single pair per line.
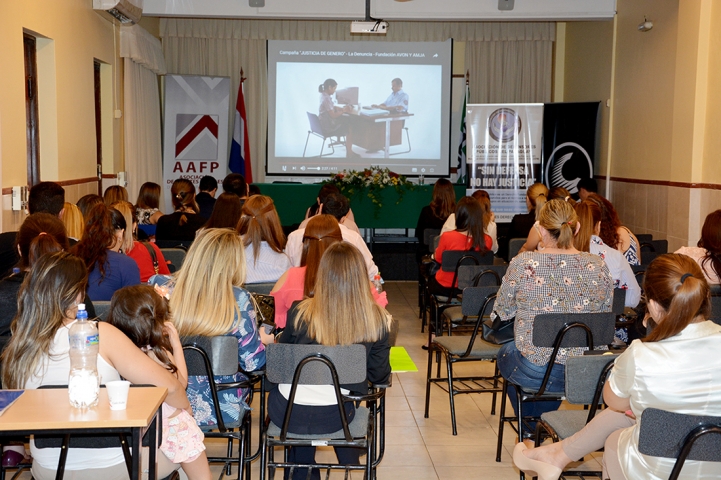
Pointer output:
331, 116
397, 102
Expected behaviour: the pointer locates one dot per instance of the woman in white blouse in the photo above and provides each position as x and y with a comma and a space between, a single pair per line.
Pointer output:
263, 239
676, 368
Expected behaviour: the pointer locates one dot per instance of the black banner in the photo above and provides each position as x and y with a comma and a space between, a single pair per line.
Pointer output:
569, 143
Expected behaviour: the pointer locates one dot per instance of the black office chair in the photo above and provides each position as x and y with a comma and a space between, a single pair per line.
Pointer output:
323, 365
317, 130
477, 304
514, 245
554, 330
683, 437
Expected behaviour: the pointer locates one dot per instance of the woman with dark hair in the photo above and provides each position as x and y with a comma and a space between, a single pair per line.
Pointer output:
108, 269
263, 239
140, 251
331, 115
468, 235
342, 312
433, 216
489, 219
675, 368
226, 212
185, 221
147, 206
38, 354
558, 279
707, 253
87, 202
614, 234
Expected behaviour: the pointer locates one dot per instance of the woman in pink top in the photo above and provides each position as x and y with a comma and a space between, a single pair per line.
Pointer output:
708, 252
468, 235
298, 283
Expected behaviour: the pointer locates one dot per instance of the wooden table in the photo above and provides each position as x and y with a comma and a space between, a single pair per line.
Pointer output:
48, 411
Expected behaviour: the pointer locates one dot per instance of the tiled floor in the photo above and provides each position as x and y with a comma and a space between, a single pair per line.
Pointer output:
423, 448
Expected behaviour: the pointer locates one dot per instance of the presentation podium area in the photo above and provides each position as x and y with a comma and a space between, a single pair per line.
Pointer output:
292, 201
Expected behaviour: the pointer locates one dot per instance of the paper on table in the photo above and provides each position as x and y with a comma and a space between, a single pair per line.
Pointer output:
401, 361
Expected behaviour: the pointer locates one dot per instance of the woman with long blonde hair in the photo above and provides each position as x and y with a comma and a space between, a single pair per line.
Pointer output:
38, 354
342, 312
207, 298
72, 218
263, 239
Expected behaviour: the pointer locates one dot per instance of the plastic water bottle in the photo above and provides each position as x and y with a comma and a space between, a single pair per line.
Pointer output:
378, 283
83, 383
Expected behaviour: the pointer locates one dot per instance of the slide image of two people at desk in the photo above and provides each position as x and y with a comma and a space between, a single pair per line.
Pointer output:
354, 104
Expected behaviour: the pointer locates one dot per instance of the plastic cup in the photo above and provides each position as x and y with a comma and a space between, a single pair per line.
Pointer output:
118, 394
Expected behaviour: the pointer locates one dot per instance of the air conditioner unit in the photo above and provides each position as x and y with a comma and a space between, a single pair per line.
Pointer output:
126, 12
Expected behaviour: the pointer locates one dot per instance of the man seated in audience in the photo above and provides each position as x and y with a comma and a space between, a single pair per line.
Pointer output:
206, 198
586, 187
235, 183
337, 205
317, 208
45, 197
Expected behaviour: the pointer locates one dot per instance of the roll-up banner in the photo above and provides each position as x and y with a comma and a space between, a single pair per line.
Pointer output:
569, 143
504, 153
196, 129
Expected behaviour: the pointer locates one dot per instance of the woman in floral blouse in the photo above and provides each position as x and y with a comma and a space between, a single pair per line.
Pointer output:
206, 299
559, 279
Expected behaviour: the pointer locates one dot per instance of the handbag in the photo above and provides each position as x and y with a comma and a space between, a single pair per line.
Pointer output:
429, 266
151, 251
264, 308
497, 331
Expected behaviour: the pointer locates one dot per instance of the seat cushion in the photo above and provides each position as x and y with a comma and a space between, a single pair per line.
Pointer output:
565, 422
358, 428
457, 345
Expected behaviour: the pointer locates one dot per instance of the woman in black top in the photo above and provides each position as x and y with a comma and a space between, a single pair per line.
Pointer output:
433, 216
185, 221
342, 294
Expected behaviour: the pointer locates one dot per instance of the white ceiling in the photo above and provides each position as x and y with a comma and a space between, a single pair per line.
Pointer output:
429, 10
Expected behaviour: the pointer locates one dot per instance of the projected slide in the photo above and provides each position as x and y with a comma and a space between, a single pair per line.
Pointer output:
349, 105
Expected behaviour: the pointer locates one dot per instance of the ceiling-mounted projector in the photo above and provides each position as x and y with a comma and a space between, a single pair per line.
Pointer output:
377, 27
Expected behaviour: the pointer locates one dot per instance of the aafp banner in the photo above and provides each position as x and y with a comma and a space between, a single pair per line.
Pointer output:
503, 150
196, 129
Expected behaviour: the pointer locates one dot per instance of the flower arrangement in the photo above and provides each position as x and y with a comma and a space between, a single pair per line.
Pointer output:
371, 181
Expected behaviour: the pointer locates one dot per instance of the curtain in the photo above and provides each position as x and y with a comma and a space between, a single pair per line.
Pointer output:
143, 61
507, 61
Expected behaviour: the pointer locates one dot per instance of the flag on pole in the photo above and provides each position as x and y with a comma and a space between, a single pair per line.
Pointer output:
239, 161
461, 167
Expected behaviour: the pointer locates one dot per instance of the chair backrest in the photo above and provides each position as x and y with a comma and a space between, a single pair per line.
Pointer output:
282, 359
436, 241
584, 374
263, 288
664, 434
429, 234
175, 256
485, 275
619, 301
715, 309
644, 237
221, 352
547, 326
477, 298
452, 257
101, 309
314, 122
514, 245
660, 246
648, 257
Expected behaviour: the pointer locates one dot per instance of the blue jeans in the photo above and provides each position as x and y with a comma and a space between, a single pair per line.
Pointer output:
517, 369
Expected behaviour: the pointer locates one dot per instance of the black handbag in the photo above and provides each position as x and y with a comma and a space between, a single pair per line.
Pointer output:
264, 308
429, 266
497, 331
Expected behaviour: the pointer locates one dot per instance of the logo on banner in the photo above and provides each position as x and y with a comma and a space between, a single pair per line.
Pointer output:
504, 124
196, 136
567, 165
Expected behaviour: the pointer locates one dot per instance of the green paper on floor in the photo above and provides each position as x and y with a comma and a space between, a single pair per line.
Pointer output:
401, 361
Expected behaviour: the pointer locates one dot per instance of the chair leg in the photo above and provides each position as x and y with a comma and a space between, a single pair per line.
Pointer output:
306, 142
496, 374
428, 379
451, 393
501, 421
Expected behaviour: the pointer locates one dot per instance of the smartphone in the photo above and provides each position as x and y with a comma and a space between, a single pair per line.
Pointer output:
268, 327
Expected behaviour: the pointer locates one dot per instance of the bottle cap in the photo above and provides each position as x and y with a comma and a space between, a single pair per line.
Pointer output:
81, 306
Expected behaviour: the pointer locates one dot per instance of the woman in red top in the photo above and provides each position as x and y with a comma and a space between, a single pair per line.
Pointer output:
136, 250
468, 235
